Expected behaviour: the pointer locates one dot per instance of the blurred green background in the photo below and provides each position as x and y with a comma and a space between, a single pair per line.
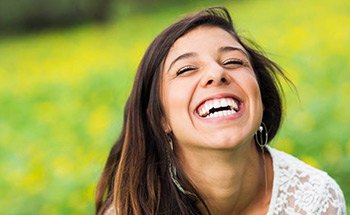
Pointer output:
62, 92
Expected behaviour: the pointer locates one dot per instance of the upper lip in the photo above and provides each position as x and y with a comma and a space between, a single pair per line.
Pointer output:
219, 96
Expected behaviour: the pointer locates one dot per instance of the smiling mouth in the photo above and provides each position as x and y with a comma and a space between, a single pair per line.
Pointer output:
218, 107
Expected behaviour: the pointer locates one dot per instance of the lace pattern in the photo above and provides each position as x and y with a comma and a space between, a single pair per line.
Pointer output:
301, 189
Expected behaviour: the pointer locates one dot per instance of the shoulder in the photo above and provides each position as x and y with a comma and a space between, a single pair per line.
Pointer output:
292, 166
301, 187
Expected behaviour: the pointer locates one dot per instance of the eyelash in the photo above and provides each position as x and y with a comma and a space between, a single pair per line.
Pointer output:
185, 69
234, 61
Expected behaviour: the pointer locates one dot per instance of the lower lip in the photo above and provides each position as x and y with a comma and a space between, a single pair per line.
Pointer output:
223, 118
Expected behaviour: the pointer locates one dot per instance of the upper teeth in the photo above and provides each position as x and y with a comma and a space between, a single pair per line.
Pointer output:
204, 110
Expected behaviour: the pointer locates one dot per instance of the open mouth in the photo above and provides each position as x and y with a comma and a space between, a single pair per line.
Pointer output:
218, 107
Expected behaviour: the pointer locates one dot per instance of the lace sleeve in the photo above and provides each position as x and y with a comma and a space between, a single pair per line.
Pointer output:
334, 202
304, 190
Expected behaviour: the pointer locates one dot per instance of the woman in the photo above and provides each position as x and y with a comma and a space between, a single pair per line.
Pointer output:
203, 107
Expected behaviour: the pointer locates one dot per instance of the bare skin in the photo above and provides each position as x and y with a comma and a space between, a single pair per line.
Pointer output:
231, 182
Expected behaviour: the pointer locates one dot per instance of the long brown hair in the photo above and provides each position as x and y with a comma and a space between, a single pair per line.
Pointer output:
136, 178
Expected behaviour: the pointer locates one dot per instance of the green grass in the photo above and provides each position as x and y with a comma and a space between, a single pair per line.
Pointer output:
62, 94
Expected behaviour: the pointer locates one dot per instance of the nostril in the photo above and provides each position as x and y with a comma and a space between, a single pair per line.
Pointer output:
217, 79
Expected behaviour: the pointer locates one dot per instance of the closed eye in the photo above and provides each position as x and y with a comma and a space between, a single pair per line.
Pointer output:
234, 61
185, 69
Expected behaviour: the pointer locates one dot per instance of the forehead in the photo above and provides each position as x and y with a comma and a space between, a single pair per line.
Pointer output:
202, 39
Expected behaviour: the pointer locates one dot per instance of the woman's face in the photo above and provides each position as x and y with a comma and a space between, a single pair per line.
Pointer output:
210, 93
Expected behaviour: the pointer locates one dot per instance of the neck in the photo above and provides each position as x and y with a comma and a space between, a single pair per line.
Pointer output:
230, 181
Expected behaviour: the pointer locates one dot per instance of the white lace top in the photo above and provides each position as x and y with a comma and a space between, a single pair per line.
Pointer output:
299, 189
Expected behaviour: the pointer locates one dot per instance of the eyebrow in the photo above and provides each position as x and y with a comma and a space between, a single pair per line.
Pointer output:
183, 56
232, 48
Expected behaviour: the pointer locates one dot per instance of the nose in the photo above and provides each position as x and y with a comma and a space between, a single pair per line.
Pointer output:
215, 76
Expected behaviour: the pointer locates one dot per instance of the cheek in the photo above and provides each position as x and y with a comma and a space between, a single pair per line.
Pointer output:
254, 90
176, 100
255, 94
248, 82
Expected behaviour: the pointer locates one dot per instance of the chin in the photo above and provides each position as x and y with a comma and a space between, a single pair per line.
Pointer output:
224, 143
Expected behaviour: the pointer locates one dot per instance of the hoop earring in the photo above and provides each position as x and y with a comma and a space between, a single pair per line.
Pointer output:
173, 172
262, 136
261, 139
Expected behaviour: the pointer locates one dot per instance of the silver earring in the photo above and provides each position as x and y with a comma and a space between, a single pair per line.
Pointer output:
262, 136
173, 172
170, 141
